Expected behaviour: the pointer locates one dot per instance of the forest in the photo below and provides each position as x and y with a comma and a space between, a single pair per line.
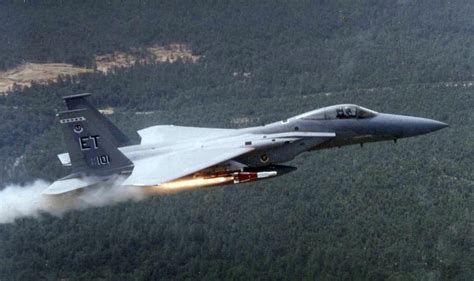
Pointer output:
382, 212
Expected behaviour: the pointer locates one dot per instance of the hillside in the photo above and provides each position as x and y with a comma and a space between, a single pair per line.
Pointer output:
382, 212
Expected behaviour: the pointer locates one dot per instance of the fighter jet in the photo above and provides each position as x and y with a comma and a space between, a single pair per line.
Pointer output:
175, 157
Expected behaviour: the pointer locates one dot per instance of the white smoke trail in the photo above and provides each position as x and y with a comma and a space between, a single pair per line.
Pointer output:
27, 201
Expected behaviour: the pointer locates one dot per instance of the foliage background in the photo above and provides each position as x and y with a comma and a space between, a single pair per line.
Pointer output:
384, 212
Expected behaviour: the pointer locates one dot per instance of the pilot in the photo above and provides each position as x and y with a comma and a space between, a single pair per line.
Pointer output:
340, 113
349, 112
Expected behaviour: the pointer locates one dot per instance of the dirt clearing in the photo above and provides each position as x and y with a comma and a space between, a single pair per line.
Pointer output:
40, 73
43, 73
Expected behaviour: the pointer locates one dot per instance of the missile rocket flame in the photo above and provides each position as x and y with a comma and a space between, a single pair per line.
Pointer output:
215, 179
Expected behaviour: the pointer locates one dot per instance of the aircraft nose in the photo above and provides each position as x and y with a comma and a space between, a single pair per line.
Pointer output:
413, 126
408, 126
430, 125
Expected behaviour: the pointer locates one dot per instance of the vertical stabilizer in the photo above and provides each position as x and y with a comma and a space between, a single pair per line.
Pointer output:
80, 102
91, 139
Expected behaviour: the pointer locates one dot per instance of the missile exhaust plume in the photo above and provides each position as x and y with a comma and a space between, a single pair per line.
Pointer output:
18, 201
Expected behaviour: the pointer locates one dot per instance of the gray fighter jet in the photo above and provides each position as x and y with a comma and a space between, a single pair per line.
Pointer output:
172, 158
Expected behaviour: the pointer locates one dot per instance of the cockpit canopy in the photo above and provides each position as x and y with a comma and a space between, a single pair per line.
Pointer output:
341, 111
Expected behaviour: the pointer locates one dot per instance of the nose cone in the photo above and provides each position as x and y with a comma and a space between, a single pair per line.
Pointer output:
407, 126
414, 126
429, 125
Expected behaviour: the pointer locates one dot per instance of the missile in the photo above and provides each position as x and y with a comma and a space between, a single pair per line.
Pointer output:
259, 173
221, 178
241, 177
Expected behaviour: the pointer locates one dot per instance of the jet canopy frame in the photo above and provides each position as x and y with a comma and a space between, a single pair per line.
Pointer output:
341, 111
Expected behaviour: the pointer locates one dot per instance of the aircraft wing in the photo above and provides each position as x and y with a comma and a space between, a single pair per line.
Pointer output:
169, 134
167, 167
186, 160
159, 169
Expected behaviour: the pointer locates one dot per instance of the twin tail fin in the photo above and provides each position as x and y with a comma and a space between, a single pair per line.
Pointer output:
92, 140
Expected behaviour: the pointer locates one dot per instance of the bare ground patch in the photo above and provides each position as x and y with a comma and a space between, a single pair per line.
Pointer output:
154, 54
43, 73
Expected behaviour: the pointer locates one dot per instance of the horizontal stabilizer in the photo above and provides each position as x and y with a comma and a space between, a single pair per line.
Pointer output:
66, 185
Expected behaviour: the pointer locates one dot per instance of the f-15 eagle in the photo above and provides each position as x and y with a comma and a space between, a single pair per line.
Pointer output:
175, 157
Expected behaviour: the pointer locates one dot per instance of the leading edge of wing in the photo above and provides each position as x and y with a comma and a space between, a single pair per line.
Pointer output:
163, 168
170, 134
